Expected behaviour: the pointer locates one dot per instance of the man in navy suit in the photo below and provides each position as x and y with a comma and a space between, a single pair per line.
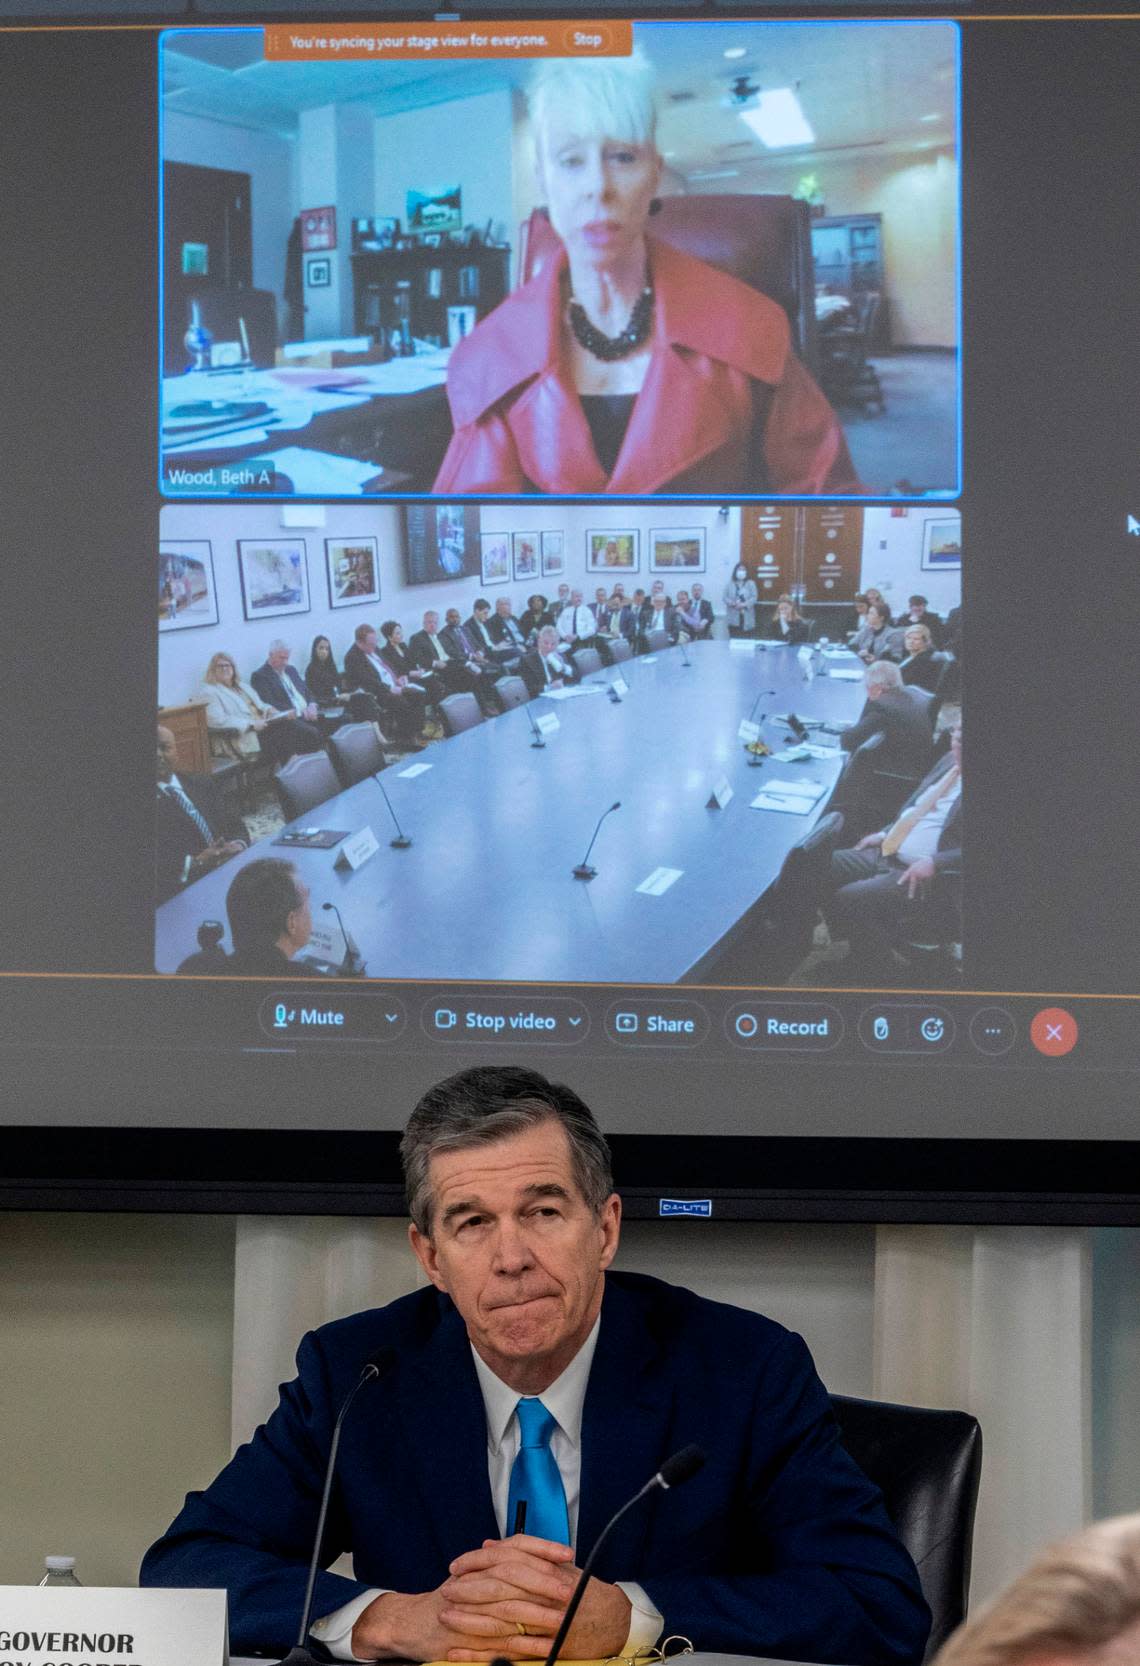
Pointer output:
283, 688
529, 1372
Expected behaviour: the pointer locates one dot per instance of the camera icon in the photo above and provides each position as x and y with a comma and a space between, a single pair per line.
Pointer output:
626, 1023
445, 1019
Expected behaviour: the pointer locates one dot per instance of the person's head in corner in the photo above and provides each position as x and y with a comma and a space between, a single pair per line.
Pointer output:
1078, 1604
514, 1215
595, 143
167, 754
881, 677
267, 906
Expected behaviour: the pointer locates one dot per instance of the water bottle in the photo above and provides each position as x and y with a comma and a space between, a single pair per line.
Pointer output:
60, 1570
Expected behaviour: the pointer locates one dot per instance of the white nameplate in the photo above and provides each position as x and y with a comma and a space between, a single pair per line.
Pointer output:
743, 645
548, 723
748, 732
620, 684
356, 850
42, 1625
659, 881
649, 659
326, 941
412, 771
722, 794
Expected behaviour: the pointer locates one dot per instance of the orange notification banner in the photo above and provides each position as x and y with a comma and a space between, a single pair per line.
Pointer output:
320, 42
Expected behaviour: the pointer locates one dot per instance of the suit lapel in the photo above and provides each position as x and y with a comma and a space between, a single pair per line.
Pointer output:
442, 1411
625, 1432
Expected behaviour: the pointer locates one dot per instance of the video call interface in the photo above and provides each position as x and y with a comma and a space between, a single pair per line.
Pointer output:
640, 569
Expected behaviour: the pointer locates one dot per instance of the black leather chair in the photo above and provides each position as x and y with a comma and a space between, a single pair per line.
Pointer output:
927, 1465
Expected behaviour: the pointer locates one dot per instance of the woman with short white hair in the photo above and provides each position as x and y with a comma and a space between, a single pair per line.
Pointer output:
626, 365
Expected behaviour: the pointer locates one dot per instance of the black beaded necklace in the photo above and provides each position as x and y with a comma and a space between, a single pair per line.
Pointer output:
606, 347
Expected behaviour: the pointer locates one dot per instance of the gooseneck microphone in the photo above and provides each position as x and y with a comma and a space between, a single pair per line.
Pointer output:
538, 741
378, 1365
401, 841
757, 750
584, 870
352, 966
763, 692
680, 1467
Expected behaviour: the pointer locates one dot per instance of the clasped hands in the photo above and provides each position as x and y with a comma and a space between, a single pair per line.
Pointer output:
476, 1613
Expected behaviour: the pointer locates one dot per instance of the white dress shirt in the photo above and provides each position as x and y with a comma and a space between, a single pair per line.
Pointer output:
564, 1400
922, 840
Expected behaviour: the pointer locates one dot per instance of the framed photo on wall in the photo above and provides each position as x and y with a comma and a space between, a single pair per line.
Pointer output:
553, 554
187, 596
942, 546
352, 566
274, 577
677, 549
612, 552
524, 546
495, 557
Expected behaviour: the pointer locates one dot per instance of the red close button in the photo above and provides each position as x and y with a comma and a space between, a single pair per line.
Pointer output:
1054, 1032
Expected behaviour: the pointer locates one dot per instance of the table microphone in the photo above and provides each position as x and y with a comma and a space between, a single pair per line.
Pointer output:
352, 966
401, 841
680, 1467
757, 749
584, 870
535, 730
378, 1365
685, 660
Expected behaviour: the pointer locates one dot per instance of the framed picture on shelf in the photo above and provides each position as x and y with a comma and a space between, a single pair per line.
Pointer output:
352, 566
942, 546
553, 554
612, 552
274, 577
435, 211
495, 557
677, 549
524, 546
318, 273
187, 596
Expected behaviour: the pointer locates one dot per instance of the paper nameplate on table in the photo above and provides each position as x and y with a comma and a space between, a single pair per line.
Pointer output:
721, 794
743, 645
412, 771
547, 723
846, 674
659, 881
649, 659
41, 1625
748, 731
357, 848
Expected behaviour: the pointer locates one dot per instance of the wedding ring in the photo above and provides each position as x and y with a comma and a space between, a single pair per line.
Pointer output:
522, 1631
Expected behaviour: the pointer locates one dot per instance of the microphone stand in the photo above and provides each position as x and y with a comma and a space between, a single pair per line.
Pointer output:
353, 964
584, 870
537, 743
757, 750
401, 841
300, 1654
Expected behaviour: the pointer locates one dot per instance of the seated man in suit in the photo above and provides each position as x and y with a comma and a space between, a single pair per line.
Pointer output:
905, 877
434, 652
506, 630
194, 830
531, 1373
500, 654
402, 704
632, 613
267, 906
903, 721
1077, 1604
281, 686
462, 643
546, 666
661, 616
705, 608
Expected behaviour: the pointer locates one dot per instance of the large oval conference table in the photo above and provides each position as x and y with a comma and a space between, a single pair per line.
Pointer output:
486, 891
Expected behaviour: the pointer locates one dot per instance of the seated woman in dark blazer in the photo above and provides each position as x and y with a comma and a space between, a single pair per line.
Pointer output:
321, 674
398, 656
919, 666
878, 637
537, 614
786, 624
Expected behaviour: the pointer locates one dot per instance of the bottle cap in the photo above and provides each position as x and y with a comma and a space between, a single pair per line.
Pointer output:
59, 1564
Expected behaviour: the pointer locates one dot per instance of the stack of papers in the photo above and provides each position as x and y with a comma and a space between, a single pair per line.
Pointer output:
790, 798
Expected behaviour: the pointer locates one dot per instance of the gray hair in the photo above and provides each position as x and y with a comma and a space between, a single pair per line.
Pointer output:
1080, 1600
882, 673
490, 1103
609, 98
277, 644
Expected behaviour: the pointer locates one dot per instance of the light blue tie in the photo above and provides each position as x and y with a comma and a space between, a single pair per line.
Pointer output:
535, 1477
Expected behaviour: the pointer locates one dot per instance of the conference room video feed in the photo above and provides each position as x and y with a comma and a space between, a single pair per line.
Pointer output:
718, 260
561, 743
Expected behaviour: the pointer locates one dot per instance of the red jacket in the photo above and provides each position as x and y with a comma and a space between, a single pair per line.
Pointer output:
726, 407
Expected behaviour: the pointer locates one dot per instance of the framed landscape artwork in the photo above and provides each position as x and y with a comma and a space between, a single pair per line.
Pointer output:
553, 554
612, 552
274, 577
677, 549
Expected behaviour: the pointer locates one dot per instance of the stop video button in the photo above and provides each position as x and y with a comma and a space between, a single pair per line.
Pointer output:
785, 1026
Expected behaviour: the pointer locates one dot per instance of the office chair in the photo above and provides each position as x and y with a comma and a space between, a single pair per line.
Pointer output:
512, 691
304, 782
459, 712
587, 662
356, 752
927, 1465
